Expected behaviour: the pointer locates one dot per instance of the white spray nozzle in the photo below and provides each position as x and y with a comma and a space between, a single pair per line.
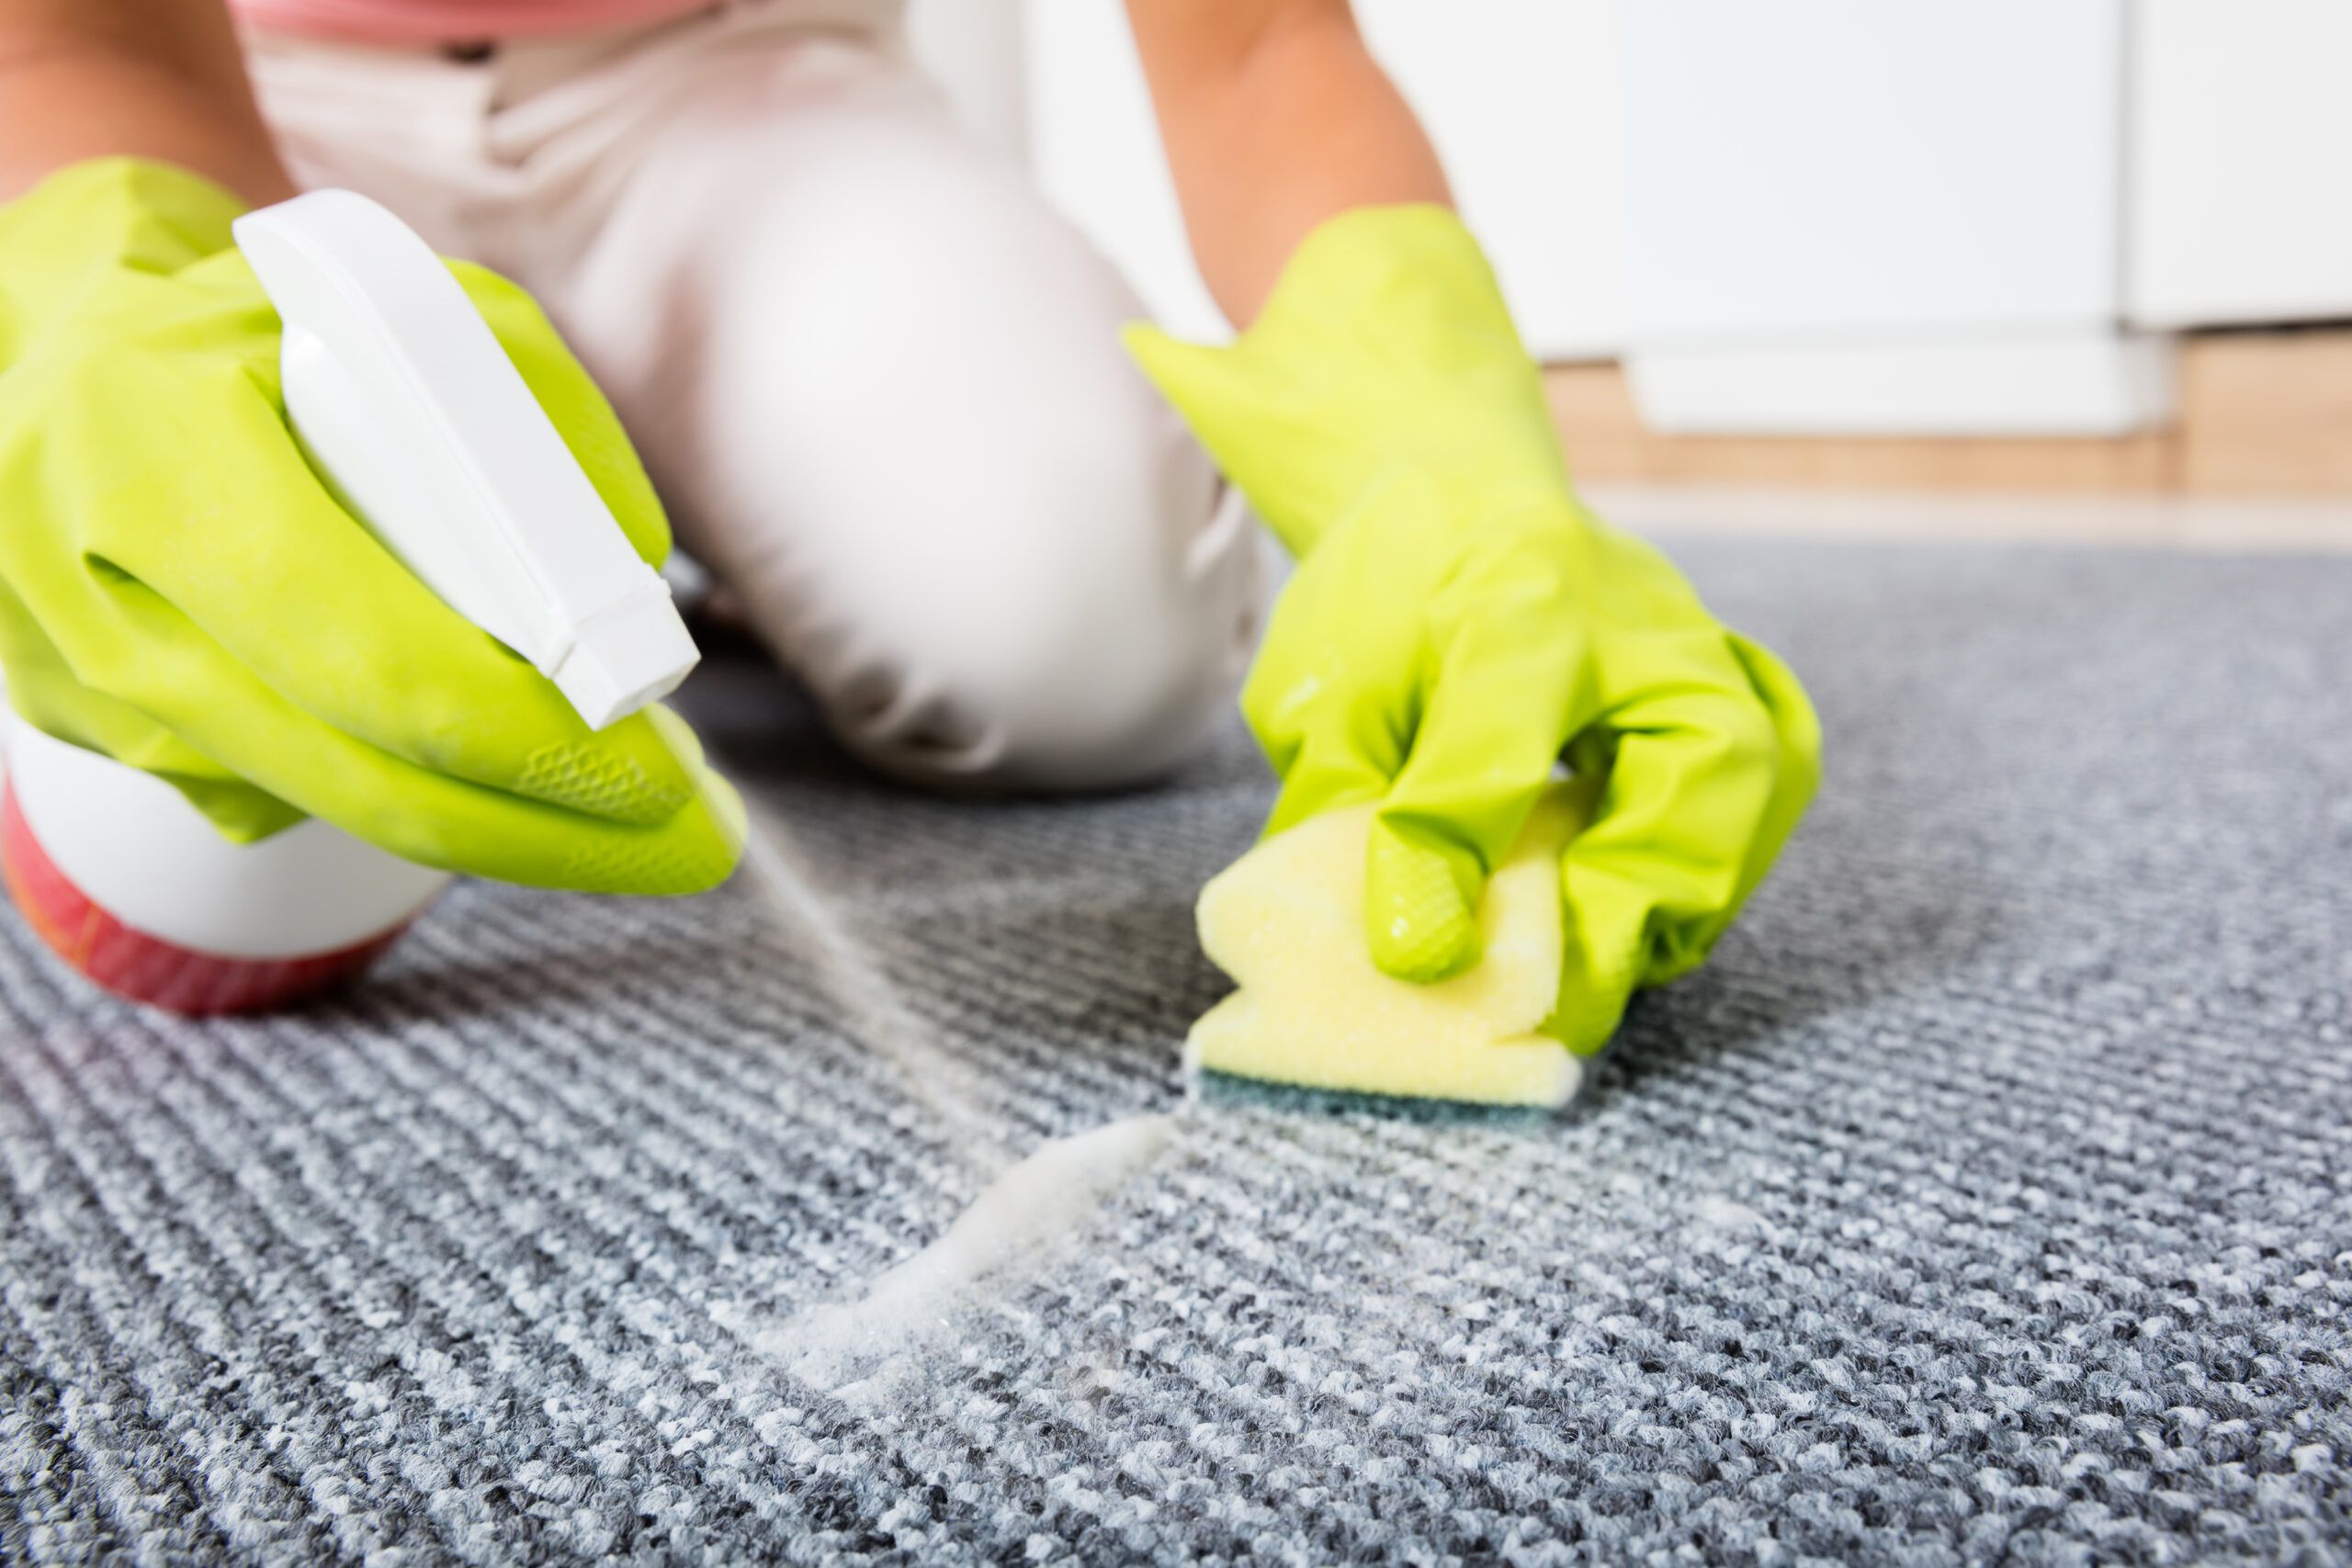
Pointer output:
416, 418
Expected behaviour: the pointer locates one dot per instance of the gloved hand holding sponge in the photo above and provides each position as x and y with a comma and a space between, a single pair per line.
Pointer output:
179, 591
1457, 623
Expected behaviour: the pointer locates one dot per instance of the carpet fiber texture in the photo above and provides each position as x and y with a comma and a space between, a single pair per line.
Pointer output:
1989, 1196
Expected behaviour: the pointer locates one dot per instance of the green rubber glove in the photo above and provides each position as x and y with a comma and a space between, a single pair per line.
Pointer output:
1458, 622
178, 590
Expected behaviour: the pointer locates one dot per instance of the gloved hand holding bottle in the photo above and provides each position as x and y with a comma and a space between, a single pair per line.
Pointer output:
1458, 622
179, 591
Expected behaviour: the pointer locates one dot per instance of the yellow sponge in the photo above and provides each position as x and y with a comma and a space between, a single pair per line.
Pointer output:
1286, 922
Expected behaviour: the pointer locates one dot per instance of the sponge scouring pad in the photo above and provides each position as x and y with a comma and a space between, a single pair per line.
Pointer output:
1286, 922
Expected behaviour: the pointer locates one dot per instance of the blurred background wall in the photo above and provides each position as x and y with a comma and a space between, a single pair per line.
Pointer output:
2100, 244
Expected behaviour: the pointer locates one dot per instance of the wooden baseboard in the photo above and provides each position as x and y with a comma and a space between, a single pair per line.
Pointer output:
2261, 413
2267, 414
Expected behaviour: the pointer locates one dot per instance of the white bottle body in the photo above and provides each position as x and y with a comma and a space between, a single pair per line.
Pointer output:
134, 887
409, 409
310, 889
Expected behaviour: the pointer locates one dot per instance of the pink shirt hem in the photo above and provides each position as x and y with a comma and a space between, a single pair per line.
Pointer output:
446, 21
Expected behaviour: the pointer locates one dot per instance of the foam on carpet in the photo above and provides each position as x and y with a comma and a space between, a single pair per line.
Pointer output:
1986, 1197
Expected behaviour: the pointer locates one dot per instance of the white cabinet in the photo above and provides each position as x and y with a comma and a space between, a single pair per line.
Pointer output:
2241, 163
1851, 217
1831, 167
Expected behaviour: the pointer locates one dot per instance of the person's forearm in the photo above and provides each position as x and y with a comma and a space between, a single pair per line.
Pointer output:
1275, 117
152, 78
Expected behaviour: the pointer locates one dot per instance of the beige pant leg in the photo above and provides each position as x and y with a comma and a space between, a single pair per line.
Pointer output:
882, 383
403, 126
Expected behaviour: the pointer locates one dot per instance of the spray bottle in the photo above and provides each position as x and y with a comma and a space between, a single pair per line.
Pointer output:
409, 407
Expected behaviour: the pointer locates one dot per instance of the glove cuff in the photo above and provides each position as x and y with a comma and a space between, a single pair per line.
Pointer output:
1415, 270
107, 215
1384, 342
147, 191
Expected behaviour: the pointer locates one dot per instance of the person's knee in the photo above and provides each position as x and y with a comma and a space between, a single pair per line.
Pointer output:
943, 492
1083, 626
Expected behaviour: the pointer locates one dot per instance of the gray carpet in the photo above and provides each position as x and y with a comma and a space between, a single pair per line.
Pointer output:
1987, 1199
